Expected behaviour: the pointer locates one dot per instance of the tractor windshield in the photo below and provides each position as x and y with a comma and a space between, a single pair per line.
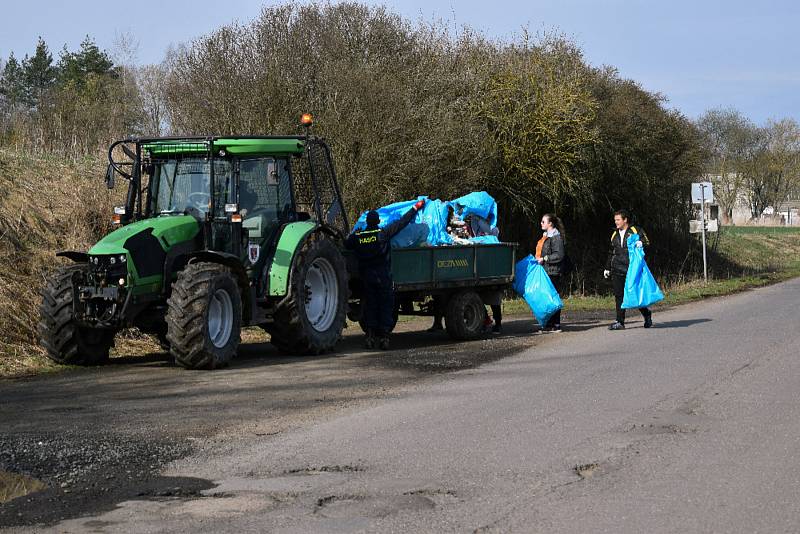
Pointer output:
181, 185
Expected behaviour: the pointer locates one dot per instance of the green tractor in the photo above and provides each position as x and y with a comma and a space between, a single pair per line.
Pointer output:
216, 233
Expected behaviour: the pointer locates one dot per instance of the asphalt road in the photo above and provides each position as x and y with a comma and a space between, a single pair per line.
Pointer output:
691, 426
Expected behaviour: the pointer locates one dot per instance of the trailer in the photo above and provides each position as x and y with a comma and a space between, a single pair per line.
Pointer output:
456, 282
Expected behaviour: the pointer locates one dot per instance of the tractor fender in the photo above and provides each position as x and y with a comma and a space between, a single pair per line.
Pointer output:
238, 270
74, 255
281, 266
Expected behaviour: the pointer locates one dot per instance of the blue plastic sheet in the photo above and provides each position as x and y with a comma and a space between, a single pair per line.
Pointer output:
533, 284
485, 240
641, 289
428, 227
478, 203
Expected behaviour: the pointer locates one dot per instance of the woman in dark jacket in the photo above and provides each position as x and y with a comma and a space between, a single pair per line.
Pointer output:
550, 254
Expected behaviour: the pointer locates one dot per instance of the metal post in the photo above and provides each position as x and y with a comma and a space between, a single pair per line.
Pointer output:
703, 223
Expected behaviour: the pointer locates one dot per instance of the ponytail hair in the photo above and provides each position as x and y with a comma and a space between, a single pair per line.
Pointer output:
557, 224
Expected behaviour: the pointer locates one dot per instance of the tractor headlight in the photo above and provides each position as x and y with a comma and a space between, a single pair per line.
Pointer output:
122, 258
112, 260
121, 281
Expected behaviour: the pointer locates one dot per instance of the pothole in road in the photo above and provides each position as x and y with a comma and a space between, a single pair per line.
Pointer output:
311, 470
656, 429
13, 485
352, 506
586, 470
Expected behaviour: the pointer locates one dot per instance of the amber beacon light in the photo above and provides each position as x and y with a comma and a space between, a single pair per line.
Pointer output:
306, 119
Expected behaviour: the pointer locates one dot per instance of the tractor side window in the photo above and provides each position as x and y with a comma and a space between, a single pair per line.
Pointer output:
263, 188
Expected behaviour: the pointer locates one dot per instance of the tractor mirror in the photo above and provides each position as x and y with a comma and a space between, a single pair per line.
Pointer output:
110, 177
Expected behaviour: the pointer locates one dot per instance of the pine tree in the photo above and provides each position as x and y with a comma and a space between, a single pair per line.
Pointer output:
12, 82
76, 67
39, 74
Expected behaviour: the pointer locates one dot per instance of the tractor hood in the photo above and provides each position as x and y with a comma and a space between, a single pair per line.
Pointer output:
142, 236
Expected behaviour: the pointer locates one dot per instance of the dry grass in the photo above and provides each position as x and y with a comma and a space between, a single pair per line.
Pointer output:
46, 205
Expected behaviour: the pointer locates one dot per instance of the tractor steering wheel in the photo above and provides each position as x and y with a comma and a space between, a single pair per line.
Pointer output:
200, 200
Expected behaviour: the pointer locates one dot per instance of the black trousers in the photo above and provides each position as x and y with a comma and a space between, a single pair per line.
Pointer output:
618, 282
497, 313
378, 302
558, 282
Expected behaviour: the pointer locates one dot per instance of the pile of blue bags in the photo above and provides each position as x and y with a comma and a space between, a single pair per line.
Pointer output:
641, 289
429, 228
533, 284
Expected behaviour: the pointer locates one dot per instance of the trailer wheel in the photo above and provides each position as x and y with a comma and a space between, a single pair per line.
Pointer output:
465, 316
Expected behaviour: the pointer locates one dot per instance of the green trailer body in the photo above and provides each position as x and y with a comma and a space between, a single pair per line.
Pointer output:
454, 282
437, 268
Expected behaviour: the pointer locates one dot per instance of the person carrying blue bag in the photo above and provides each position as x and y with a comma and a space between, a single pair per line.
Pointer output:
618, 262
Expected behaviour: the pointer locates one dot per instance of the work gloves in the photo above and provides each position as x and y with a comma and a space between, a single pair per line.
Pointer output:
606, 274
639, 244
420, 204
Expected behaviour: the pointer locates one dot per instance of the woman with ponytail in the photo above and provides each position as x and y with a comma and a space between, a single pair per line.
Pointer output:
550, 255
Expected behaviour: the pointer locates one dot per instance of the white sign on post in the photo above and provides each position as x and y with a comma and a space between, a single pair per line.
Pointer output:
702, 192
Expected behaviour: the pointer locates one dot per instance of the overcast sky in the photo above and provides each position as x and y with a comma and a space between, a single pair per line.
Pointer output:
700, 54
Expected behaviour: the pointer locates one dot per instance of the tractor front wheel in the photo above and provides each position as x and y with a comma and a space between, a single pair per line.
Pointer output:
204, 316
66, 342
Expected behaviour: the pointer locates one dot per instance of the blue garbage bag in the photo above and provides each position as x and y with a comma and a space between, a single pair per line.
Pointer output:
641, 289
429, 227
478, 203
434, 216
533, 284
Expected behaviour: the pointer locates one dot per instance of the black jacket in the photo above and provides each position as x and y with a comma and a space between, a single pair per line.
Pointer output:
618, 258
373, 245
553, 254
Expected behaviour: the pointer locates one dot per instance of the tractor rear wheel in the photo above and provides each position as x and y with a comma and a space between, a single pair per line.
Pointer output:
66, 342
204, 316
465, 316
312, 319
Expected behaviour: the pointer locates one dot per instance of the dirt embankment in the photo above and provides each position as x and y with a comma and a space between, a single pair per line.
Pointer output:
46, 205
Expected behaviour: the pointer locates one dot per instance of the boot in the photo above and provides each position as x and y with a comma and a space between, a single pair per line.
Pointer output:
383, 343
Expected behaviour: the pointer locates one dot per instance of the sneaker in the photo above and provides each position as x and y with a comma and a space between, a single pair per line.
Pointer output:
617, 326
369, 343
556, 328
648, 321
383, 343
496, 330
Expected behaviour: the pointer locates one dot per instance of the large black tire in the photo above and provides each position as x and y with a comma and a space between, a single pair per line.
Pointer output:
66, 342
297, 329
204, 316
465, 316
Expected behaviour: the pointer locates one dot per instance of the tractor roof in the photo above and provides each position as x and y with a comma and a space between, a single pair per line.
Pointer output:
239, 146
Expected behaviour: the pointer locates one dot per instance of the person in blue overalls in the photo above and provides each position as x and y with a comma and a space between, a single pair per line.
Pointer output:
372, 247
